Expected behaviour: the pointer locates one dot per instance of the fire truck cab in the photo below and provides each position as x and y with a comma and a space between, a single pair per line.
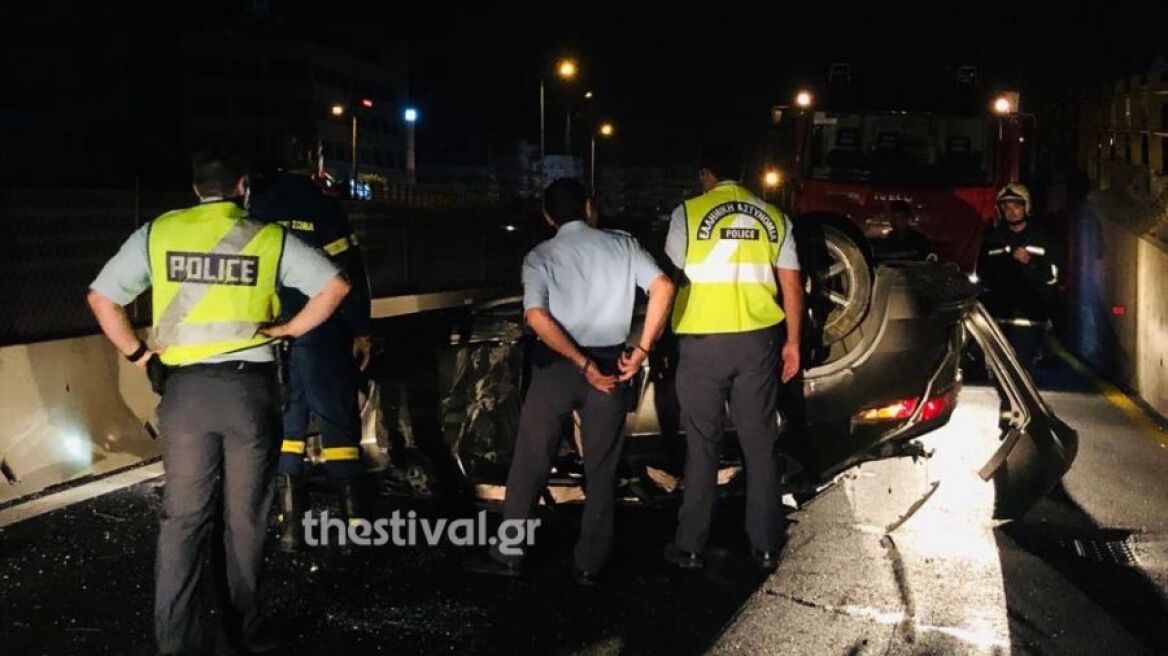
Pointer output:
853, 166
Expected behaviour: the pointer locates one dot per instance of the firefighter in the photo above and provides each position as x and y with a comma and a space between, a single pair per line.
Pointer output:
323, 366
1018, 268
736, 253
214, 274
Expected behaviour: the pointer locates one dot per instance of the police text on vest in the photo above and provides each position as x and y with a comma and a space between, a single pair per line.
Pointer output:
212, 268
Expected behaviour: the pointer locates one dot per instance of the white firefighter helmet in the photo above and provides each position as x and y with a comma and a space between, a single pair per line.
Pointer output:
1016, 192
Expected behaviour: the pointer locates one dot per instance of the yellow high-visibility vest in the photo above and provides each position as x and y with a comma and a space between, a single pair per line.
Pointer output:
214, 276
734, 241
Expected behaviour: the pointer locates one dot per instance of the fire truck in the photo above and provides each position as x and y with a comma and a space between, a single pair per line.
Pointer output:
853, 162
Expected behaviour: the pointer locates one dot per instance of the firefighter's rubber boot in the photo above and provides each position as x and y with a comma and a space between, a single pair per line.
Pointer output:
354, 499
293, 504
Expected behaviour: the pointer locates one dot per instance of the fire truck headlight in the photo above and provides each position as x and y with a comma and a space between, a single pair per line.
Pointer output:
1007, 102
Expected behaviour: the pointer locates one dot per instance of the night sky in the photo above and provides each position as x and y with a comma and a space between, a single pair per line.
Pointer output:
670, 79
675, 78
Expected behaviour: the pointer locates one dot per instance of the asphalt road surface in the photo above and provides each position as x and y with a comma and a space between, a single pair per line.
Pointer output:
1084, 573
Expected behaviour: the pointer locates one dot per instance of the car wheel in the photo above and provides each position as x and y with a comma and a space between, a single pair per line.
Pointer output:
842, 284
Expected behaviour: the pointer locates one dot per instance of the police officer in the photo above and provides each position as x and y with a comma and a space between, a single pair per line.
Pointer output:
736, 253
1019, 272
214, 273
323, 364
579, 290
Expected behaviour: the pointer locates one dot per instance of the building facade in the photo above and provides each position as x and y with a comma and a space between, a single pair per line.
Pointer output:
1123, 132
251, 88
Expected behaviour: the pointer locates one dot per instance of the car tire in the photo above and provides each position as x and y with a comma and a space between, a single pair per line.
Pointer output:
841, 284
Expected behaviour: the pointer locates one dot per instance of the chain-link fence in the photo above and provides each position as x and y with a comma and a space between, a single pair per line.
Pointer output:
57, 241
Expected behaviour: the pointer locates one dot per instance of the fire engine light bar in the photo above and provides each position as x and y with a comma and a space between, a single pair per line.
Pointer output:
1006, 102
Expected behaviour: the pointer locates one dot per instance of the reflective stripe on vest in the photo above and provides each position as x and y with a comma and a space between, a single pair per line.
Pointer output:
213, 272
339, 246
733, 243
166, 327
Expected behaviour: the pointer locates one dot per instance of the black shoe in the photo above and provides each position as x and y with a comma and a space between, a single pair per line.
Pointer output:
484, 563
293, 503
584, 578
766, 560
681, 558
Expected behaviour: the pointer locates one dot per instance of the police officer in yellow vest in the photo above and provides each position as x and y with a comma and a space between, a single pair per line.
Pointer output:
736, 253
214, 274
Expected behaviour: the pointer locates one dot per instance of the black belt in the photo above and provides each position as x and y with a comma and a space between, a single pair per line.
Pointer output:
542, 355
227, 368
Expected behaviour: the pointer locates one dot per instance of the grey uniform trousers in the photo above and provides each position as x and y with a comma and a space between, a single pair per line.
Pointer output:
220, 427
743, 368
557, 388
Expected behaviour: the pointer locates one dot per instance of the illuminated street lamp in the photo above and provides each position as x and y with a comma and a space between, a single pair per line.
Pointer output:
605, 130
803, 99
338, 110
411, 117
566, 70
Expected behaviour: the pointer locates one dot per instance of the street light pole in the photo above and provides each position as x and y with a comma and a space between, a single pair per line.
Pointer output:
592, 173
411, 117
353, 150
542, 122
566, 69
605, 130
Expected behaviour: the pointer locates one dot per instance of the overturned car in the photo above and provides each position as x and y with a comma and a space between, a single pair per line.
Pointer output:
884, 350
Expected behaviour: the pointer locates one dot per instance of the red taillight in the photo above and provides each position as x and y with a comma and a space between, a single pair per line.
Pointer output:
898, 410
904, 409
933, 408
1118, 310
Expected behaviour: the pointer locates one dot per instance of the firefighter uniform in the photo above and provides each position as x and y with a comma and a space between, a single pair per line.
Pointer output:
1020, 295
322, 375
214, 274
728, 243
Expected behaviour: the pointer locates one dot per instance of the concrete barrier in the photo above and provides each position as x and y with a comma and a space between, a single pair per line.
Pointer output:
70, 409
1117, 310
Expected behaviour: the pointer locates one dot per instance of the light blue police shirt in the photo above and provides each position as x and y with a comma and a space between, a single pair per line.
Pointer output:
587, 279
127, 275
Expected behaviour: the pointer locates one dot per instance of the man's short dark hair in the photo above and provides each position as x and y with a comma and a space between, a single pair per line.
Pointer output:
723, 160
566, 200
297, 147
215, 171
